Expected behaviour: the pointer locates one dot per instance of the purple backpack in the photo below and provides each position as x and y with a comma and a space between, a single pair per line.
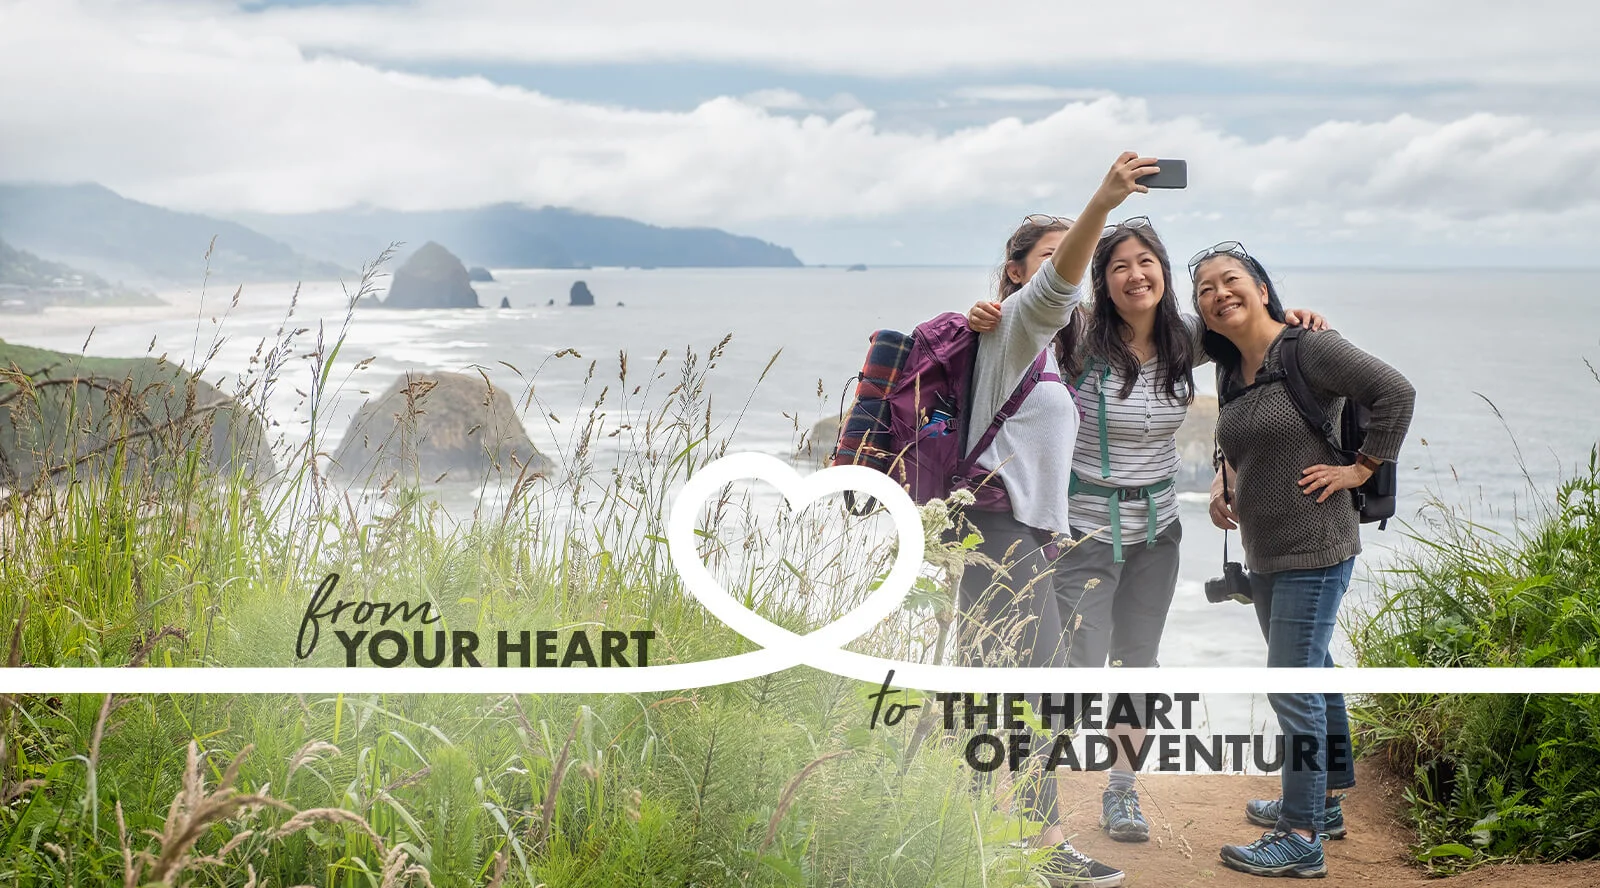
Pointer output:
911, 414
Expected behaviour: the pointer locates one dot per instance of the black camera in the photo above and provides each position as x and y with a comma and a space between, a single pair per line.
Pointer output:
1232, 584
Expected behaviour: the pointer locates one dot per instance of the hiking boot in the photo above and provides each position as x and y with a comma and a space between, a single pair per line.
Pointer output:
1283, 854
1121, 818
1067, 866
1264, 812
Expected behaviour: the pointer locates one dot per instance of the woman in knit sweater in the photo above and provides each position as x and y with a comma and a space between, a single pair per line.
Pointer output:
1282, 485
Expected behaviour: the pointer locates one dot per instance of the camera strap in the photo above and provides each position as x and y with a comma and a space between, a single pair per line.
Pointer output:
1227, 498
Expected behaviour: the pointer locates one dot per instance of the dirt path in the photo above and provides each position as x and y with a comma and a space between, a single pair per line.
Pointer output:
1191, 817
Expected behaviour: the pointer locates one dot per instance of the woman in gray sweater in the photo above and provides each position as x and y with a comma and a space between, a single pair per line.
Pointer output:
1301, 532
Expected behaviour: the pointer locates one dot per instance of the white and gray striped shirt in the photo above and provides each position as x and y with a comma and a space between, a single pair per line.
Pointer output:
1141, 440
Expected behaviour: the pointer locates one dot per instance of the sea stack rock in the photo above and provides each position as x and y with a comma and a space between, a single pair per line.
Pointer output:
1196, 438
479, 275
505, 301
581, 294
431, 278
429, 425
823, 438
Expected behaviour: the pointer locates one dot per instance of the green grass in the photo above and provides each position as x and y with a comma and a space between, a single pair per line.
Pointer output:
1495, 776
179, 559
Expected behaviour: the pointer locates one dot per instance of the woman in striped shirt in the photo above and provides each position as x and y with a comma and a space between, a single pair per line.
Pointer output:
1134, 365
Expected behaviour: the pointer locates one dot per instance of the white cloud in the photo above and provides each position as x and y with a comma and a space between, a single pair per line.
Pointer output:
1551, 41
1027, 92
223, 113
789, 100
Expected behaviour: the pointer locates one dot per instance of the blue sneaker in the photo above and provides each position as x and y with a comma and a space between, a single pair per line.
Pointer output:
1121, 818
1265, 812
1278, 854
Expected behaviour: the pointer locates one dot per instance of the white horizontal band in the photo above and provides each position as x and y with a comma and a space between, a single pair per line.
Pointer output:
650, 679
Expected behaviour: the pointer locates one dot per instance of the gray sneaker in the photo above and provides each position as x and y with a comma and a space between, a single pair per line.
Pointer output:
1121, 818
1265, 812
1067, 866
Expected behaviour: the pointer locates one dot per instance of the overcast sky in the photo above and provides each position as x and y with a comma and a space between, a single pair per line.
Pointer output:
916, 132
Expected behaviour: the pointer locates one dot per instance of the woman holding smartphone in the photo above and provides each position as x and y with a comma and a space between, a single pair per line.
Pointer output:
1009, 614
1133, 357
1301, 532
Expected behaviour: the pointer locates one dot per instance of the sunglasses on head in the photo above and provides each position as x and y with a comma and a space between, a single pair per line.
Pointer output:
1134, 222
1043, 220
1226, 248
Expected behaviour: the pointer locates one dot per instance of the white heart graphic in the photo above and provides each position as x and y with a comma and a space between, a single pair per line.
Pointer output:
821, 647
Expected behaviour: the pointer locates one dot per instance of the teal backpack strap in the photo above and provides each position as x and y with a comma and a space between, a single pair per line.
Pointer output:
1105, 440
1115, 495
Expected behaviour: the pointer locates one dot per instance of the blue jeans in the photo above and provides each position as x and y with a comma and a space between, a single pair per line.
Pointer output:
1297, 610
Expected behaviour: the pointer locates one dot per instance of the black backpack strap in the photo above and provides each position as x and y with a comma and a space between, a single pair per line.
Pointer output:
965, 412
1294, 379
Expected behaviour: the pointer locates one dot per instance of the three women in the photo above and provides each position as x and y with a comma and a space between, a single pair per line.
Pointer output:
1133, 360
1133, 357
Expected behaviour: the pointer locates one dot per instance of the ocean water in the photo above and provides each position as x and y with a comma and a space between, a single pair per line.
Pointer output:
1506, 403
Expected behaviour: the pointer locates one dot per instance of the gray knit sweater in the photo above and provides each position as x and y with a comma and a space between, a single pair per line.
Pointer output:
1269, 445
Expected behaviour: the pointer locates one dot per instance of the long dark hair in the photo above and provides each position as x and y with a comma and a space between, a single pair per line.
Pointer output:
1174, 345
1068, 339
1221, 349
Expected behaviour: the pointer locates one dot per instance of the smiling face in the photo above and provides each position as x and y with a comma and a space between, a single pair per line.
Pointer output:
1228, 298
1134, 279
1022, 271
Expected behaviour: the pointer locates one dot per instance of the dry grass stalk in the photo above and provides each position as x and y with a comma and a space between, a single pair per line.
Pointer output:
559, 771
398, 868
7, 705
192, 812
311, 752
143, 646
787, 798
312, 816
130, 876
91, 795
501, 864
414, 777
219, 858
7, 794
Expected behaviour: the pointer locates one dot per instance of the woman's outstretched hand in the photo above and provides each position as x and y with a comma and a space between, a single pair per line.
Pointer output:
1329, 479
1299, 317
1071, 258
984, 317
1122, 180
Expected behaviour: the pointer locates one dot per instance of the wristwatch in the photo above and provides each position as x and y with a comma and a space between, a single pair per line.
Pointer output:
1372, 464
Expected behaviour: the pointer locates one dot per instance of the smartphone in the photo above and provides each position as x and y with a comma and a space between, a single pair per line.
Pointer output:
1174, 174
